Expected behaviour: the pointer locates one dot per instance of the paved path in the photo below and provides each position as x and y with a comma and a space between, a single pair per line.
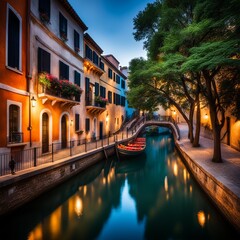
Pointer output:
228, 172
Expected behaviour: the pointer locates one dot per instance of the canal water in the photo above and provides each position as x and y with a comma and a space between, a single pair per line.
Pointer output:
152, 196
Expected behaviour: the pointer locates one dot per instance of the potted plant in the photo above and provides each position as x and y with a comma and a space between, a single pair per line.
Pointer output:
44, 80
44, 17
63, 36
77, 49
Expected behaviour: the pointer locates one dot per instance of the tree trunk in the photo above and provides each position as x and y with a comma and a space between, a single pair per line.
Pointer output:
217, 155
198, 125
190, 130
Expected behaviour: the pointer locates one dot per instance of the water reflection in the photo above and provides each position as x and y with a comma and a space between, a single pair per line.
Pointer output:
149, 197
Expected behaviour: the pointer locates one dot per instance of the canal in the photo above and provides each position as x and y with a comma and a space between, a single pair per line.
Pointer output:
152, 196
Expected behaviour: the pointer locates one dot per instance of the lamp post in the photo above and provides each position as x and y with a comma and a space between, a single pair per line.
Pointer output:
32, 103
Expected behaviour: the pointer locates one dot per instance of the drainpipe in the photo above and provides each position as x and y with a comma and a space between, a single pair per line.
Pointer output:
28, 74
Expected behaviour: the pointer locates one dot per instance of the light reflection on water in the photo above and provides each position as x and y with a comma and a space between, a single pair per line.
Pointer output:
150, 197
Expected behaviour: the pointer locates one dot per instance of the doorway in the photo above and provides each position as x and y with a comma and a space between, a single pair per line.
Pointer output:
100, 130
64, 131
45, 133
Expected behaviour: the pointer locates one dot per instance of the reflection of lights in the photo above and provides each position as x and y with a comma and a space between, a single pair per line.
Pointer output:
168, 162
201, 218
175, 169
166, 183
36, 233
184, 175
78, 206
104, 180
206, 116
190, 188
84, 190
55, 220
167, 196
99, 201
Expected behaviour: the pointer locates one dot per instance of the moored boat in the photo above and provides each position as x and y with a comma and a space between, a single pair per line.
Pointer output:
132, 148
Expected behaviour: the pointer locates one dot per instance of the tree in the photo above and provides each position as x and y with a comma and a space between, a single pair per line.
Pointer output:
206, 34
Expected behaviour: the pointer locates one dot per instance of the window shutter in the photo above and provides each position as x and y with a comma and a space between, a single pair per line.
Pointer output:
77, 78
77, 122
44, 61
87, 85
63, 71
87, 125
109, 96
76, 39
96, 89
13, 40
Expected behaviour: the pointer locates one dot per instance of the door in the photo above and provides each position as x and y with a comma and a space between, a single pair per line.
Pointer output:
100, 130
45, 134
64, 131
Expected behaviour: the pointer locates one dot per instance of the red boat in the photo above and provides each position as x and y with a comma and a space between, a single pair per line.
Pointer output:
133, 148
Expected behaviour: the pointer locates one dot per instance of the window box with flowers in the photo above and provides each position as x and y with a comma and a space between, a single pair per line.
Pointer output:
70, 90
63, 36
44, 17
100, 101
77, 49
60, 88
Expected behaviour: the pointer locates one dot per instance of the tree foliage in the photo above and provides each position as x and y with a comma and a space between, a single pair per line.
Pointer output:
193, 55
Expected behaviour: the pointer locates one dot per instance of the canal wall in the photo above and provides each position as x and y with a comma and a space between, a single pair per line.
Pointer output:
17, 190
224, 199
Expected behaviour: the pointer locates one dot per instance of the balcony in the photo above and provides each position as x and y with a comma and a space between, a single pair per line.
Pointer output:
15, 139
53, 96
95, 108
90, 66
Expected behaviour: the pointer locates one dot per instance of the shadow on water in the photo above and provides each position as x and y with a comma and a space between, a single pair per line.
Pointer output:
151, 196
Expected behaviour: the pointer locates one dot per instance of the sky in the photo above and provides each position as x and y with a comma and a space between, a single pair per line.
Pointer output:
110, 24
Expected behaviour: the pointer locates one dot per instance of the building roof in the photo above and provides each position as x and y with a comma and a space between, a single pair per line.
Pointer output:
88, 38
73, 13
114, 67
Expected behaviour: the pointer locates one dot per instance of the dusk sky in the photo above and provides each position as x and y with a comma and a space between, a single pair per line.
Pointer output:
110, 24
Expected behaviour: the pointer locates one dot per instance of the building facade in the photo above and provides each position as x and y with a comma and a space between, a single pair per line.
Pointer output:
14, 76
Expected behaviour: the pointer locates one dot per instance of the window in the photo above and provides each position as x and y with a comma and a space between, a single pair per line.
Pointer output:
88, 52
110, 73
14, 33
123, 101
118, 99
101, 65
96, 89
123, 84
63, 71
43, 61
62, 27
77, 122
87, 85
114, 98
95, 58
87, 125
117, 78
102, 91
14, 124
44, 10
109, 96
76, 41
114, 77
77, 81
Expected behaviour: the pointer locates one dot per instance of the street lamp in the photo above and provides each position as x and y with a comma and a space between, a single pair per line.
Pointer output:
34, 101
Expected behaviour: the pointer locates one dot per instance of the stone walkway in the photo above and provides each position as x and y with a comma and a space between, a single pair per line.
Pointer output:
227, 172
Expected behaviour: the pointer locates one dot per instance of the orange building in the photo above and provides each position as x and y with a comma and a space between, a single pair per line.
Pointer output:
15, 124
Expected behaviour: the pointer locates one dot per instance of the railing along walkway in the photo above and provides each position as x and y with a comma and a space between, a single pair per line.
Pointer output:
33, 157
